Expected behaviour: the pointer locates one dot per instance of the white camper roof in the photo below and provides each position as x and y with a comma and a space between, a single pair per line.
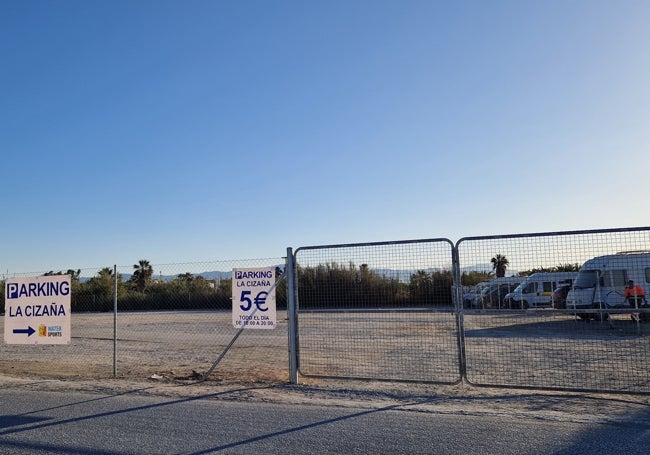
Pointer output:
623, 258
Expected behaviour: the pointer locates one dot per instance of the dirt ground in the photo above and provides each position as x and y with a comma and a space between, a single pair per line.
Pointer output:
173, 345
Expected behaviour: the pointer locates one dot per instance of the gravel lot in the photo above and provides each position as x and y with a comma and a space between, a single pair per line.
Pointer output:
533, 349
168, 344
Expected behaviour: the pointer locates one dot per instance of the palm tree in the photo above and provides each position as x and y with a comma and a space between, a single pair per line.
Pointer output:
499, 265
74, 275
185, 277
142, 274
421, 287
105, 273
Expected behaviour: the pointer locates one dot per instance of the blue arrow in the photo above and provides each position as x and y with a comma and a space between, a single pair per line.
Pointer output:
28, 331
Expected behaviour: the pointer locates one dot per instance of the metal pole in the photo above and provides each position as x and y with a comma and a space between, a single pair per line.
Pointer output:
457, 296
115, 323
292, 316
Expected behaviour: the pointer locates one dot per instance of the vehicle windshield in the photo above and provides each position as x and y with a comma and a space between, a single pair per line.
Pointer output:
586, 279
478, 288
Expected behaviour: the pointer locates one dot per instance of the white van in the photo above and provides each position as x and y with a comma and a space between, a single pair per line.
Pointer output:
601, 280
537, 289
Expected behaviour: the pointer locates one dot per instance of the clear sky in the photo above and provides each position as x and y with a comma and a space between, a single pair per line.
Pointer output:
188, 131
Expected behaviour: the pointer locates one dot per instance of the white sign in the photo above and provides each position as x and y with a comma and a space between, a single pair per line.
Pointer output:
253, 298
37, 310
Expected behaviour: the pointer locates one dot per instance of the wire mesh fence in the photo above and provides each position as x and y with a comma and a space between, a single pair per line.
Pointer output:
378, 310
401, 345
550, 310
560, 328
172, 320
554, 349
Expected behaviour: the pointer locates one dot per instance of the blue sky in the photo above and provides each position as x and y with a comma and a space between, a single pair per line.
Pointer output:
188, 131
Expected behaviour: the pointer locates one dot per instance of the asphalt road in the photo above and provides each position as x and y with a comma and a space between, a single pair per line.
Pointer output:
73, 422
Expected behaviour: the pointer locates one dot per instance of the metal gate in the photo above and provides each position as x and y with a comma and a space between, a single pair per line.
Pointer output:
378, 311
536, 339
406, 311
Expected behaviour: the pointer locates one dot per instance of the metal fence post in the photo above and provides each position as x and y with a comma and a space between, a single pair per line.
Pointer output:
115, 323
293, 320
457, 296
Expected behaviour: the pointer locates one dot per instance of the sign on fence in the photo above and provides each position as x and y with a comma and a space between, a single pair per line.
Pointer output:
37, 310
253, 298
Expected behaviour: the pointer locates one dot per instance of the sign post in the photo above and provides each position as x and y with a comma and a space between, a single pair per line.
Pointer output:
37, 310
253, 298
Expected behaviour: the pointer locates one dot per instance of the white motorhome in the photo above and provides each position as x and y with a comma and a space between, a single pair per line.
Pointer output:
601, 280
537, 289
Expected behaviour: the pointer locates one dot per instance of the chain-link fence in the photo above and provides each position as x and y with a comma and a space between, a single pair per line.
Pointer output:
172, 320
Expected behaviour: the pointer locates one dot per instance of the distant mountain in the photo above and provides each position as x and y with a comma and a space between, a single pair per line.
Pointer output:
401, 275
404, 276
477, 268
212, 275
216, 275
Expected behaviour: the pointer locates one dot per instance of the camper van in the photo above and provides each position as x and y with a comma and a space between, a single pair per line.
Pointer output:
470, 296
537, 290
601, 280
493, 294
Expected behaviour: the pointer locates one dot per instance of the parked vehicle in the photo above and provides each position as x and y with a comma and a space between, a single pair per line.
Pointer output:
559, 295
537, 290
601, 281
494, 295
494, 291
470, 296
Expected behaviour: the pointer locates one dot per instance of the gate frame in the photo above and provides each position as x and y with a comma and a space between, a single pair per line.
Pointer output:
460, 308
292, 302
457, 302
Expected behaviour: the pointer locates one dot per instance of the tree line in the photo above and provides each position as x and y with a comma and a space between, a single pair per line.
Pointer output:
500, 264
141, 291
329, 285
333, 285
